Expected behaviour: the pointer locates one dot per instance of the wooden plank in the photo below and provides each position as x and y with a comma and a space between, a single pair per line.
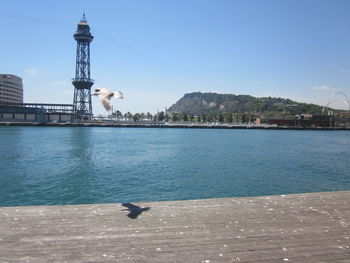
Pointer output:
311, 227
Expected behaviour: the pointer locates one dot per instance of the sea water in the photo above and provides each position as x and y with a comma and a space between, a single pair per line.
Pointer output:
79, 165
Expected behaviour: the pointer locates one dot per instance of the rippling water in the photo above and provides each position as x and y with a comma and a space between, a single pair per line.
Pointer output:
53, 165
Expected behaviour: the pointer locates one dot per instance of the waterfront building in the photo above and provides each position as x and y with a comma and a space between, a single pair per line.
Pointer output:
35, 112
304, 120
11, 89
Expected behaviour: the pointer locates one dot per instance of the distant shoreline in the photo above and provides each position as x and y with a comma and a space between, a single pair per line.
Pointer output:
169, 125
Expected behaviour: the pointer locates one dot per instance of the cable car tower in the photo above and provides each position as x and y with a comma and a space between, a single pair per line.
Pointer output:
82, 108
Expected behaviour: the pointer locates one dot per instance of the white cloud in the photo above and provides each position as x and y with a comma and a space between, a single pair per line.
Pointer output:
260, 82
339, 69
58, 84
31, 71
68, 92
324, 88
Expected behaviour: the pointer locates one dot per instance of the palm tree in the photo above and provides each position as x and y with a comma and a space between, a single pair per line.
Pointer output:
129, 115
142, 116
174, 117
119, 114
185, 117
161, 116
136, 117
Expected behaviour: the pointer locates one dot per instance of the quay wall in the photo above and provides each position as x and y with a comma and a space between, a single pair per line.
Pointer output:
166, 125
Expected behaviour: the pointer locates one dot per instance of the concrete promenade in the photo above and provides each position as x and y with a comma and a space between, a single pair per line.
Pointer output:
313, 227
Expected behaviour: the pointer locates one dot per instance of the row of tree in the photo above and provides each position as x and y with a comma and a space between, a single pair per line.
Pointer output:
181, 117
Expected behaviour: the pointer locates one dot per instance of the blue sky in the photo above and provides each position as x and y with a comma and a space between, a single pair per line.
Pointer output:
155, 51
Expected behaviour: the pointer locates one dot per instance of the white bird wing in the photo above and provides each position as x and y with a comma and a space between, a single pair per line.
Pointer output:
105, 95
118, 95
105, 103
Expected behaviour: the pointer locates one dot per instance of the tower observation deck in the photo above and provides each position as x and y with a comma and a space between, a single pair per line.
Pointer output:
82, 108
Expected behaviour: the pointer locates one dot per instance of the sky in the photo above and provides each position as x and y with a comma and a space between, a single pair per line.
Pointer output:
155, 51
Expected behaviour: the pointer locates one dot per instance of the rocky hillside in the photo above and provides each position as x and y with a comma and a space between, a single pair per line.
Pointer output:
206, 103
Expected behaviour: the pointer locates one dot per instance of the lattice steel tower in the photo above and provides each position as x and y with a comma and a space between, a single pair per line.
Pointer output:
82, 108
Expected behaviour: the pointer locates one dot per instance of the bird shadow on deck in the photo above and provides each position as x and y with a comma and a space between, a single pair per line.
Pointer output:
135, 210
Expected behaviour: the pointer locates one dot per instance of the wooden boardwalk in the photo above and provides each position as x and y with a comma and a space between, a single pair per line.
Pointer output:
305, 228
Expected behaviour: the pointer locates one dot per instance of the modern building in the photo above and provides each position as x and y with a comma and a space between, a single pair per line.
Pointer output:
11, 89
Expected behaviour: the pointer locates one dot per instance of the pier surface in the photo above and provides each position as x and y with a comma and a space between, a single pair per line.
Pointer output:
313, 227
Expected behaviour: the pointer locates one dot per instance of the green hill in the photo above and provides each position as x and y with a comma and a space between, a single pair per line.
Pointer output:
197, 103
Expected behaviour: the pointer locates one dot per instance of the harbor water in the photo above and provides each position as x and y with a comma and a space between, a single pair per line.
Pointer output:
79, 165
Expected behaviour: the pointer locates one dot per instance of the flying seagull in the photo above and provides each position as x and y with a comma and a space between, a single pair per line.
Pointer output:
105, 96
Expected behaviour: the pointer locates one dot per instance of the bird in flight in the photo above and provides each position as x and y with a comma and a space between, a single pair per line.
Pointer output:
105, 96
